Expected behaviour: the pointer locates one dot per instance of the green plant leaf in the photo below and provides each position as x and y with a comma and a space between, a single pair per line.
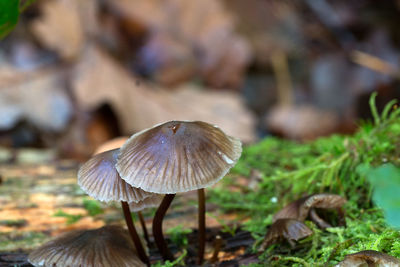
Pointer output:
9, 13
385, 181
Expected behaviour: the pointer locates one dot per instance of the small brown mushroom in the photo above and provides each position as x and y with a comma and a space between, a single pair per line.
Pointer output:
178, 156
99, 178
139, 206
369, 258
291, 211
305, 206
103, 247
289, 229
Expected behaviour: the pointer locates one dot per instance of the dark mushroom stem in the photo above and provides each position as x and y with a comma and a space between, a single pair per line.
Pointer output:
217, 248
143, 223
341, 214
134, 235
157, 227
202, 225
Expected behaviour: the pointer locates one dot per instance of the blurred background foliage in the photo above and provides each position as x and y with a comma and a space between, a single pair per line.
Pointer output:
104, 68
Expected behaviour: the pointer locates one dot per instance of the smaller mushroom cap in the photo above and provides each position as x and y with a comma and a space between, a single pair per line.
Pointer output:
111, 144
288, 229
324, 201
104, 247
177, 156
300, 208
149, 202
291, 211
369, 258
100, 180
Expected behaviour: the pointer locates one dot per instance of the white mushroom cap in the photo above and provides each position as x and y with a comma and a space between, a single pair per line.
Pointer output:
104, 247
177, 156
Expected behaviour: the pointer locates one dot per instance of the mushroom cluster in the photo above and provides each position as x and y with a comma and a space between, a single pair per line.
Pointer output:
176, 157
169, 158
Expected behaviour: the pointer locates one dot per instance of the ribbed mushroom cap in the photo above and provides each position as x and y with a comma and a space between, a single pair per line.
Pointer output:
111, 144
369, 258
300, 208
99, 178
288, 229
177, 156
324, 201
104, 247
150, 202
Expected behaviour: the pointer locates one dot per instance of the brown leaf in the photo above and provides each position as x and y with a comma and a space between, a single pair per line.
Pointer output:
63, 26
203, 28
138, 105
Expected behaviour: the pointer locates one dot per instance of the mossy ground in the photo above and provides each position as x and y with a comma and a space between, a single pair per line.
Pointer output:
288, 170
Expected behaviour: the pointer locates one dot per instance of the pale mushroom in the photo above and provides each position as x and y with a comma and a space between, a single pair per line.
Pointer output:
174, 157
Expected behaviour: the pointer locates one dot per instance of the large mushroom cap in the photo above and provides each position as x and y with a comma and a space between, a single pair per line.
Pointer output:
100, 180
369, 258
177, 156
104, 247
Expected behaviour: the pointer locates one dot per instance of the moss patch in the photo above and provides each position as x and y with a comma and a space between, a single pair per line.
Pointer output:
288, 170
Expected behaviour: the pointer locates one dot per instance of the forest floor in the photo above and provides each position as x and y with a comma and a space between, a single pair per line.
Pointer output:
40, 199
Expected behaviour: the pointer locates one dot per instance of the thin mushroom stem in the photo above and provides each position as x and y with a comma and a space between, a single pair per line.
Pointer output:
143, 223
341, 214
202, 225
134, 235
217, 248
157, 227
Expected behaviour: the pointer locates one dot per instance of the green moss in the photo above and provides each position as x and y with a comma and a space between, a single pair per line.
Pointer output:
290, 170
93, 207
21, 240
71, 218
178, 262
178, 235
14, 223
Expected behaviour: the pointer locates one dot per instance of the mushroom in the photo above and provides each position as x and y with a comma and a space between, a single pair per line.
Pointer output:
114, 144
369, 258
177, 156
305, 206
100, 180
289, 229
103, 247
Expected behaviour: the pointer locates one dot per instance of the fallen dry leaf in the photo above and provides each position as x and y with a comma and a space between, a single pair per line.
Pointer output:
98, 80
203, 29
